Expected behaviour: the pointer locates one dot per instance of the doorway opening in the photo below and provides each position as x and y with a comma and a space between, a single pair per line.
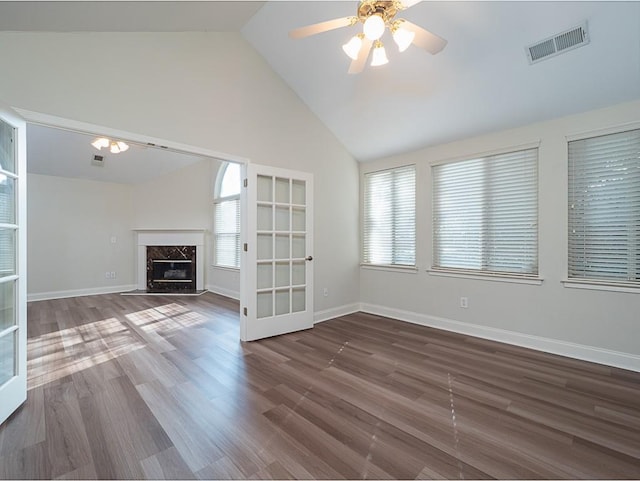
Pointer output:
148, 161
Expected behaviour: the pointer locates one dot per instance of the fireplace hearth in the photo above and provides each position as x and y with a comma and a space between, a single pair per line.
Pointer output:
171, 269
171, 273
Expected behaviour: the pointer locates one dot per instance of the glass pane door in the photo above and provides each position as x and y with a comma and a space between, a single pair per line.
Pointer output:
281, 239
12, 218
280, 257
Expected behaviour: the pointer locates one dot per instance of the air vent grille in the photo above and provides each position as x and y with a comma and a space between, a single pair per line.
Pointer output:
98, 161
563, 42
542, 50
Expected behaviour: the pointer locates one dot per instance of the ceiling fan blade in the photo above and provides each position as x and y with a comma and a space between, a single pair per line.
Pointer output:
357, 65
425, 39
309, 30
409, 3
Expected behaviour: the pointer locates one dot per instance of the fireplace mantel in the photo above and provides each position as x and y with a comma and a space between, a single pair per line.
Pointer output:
169, 237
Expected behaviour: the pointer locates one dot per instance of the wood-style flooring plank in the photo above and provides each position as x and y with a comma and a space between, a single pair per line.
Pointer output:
160, 387
67, 442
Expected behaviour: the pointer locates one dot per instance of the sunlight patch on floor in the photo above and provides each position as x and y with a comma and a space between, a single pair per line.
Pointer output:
55, 355
58, 354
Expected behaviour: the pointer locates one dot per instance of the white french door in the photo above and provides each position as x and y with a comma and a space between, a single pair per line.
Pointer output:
13, 295
277, 269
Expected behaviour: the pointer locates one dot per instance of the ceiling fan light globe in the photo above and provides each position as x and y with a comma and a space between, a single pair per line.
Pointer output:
379, 56
352, 47
373, 27
403, 38
100, 142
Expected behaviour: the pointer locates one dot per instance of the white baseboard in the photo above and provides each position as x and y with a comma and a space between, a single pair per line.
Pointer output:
334, 312
568, 349
224, 292
92, 291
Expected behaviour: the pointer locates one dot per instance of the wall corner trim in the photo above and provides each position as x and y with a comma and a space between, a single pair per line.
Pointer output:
333, 312
582, 352
224, 292
92, 291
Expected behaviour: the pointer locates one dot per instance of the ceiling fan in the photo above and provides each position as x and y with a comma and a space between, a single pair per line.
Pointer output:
376, 16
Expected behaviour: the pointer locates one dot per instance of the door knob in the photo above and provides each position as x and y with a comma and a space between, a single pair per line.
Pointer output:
308, 258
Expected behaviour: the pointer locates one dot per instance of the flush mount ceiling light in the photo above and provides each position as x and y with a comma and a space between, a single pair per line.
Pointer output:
115, 146
376, 16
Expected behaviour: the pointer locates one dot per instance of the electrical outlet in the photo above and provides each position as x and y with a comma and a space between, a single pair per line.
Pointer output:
325, 292
107, 275
113, 275
464, 302
113, 239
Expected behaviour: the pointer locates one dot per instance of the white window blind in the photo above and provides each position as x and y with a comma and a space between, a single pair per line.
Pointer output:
485, 214
227, 233
226, 224
604, 208
389, 230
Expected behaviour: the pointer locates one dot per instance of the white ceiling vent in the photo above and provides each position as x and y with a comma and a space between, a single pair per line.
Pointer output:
98, 160
560, 43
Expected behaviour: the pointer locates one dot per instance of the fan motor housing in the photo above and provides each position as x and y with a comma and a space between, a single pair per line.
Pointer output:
387, 9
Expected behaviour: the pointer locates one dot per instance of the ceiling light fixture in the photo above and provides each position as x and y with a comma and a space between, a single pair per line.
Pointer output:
379, 56
373, 27
376, 16
402, 36
353, 46
115, 146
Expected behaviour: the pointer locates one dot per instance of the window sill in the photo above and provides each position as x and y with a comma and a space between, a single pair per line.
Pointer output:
390, 268
225, 268
600, 286
514, 279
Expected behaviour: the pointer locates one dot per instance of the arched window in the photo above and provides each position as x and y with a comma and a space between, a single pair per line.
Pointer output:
226, 216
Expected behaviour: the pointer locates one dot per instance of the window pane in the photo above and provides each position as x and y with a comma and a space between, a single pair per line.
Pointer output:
227, 233
7, 252
604, 208
7, 356
7, 149
389, 217
7, 200
230, 184
485, 214
7, 305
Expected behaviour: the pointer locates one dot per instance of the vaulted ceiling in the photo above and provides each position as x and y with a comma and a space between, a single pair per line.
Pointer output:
481, 82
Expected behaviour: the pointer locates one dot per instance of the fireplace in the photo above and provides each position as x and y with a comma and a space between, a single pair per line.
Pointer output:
170, 261
171, 268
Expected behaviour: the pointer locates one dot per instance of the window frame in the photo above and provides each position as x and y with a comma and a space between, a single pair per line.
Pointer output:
217, 199
485, 274
584, 282
363, 249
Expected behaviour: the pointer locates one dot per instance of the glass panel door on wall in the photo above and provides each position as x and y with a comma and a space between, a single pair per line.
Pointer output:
12, 305
279, 295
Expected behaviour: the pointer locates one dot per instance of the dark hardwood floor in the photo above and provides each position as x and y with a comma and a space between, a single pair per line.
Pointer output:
160, 387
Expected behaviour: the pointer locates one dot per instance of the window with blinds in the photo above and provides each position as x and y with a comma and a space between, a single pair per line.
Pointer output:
604, 208
226, 222
389, 226
485, 214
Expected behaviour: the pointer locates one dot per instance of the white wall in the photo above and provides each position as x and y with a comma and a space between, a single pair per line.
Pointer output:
548, 316
179, 200
70, 223
210, 90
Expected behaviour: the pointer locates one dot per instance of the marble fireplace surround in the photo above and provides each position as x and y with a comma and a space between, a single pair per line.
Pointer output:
168, 237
